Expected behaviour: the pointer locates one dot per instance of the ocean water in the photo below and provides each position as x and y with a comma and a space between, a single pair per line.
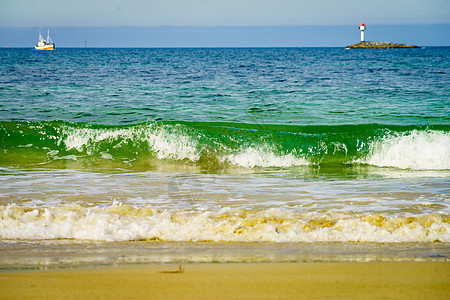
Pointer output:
225, 145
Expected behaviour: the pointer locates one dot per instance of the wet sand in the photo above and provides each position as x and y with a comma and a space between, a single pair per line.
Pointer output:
377, 280
60, 254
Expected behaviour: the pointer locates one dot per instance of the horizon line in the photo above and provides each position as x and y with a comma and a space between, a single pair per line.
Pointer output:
219, 26
222, 47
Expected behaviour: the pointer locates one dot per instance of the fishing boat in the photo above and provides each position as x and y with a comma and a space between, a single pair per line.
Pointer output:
45, 44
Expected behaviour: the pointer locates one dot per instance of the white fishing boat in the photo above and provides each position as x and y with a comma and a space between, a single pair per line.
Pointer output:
45, 44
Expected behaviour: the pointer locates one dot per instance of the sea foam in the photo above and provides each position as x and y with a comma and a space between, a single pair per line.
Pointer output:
165, 141
415, 150
259, 157
124, 223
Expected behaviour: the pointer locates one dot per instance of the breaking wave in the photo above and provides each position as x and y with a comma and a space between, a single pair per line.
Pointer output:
416, 150
220, 145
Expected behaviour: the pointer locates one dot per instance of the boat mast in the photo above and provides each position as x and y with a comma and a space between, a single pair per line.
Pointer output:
49, 40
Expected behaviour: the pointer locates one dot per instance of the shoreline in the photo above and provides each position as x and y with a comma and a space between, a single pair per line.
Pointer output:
378, 280
73, 254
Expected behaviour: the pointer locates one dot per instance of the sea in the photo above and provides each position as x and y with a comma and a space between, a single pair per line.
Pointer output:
164, 155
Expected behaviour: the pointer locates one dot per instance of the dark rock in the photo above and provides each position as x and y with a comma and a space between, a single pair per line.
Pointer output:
379, 45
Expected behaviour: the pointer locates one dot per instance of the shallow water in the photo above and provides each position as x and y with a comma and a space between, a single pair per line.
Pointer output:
67, 254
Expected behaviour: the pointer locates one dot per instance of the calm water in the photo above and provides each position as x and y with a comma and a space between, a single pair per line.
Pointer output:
276, 145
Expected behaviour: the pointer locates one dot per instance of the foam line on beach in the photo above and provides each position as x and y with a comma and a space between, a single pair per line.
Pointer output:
124, 223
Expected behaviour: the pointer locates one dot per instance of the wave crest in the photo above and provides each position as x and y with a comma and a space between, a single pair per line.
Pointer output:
165, 141
220, 145
415, 150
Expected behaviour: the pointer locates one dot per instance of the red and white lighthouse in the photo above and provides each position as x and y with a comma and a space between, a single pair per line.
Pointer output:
362, 27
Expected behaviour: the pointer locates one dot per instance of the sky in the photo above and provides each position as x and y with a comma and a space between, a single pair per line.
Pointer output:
206, 19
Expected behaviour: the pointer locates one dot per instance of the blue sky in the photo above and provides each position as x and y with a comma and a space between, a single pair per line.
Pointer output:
161, 23
105, 13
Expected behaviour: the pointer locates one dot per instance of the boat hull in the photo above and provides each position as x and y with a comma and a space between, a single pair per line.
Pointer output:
46, 47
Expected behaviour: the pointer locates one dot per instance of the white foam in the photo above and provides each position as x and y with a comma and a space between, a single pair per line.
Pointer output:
416, 150
123, 223
106, 155
259, 157
165, 141
170, 143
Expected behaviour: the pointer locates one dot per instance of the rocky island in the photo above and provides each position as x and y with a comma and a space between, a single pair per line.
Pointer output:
379, 45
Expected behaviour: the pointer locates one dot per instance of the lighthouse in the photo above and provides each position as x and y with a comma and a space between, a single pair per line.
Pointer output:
362, 27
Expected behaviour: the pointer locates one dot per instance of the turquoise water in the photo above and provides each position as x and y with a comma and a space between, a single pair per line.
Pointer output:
296, 144
305, 86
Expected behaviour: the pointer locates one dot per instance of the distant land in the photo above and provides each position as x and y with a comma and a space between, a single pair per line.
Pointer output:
379, 45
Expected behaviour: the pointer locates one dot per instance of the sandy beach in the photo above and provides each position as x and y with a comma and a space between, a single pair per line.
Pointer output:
404, 280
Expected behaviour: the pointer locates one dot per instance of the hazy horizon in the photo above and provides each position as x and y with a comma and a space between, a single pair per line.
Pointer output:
217, 23
226, 36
